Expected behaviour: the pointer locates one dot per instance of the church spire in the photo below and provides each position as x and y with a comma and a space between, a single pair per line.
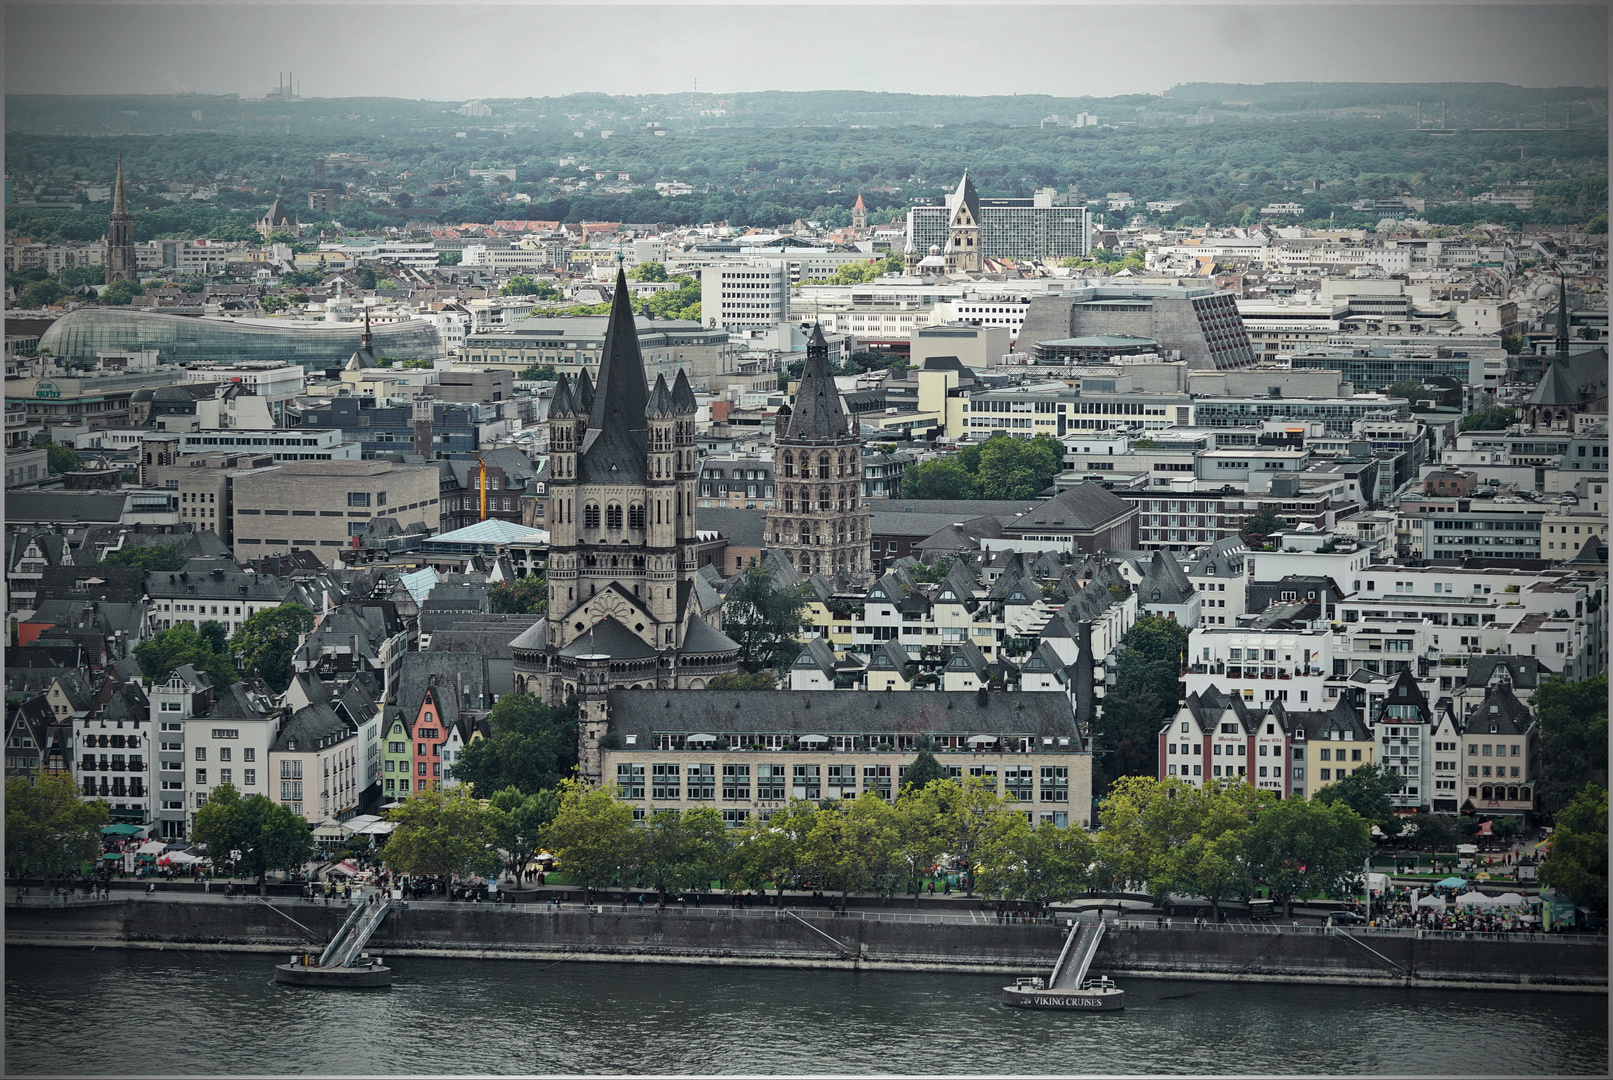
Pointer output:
120, 206
368, 339
1562, 315
613, 447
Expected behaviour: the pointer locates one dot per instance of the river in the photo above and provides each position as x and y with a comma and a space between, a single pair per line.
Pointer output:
128, 1011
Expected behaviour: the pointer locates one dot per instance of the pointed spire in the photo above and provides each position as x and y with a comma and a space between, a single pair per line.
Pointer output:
562, 406
613, 447
966, 196
683, 402
585, 393
1562, 315
817, 413
120, 206
858, 205
659, 407
368, 339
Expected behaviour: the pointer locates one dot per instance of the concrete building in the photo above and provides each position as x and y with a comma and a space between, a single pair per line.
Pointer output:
750, 752
320, 505
977, 347
573, 344
753, 295
1201, 326
969, 229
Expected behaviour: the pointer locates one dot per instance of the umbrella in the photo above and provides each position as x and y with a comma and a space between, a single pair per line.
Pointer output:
121, 829
1475, 900
1435, 902
1450, 883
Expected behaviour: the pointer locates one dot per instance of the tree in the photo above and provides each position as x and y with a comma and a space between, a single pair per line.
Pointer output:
1300, 845
272, 304
183, 644
50, 831
251, 836
592, 835
366, 277
854, 845
745, 680
648, 271
1497, 419
43, 294
1366, 790
60, 458
943, 478
918, 833
770, 849
970, 817
121, 292
1142, 818
923, 770
301, 278
518, 823
266, 642
532, 748
1577, 864
1405, 388
765, 621
1430, 832
1011, 468
442, 831
1258, 529
163, 558
519, 285
1573, 738
449, 258
540, 373
1038, 865
1213, 862
214, 635
528, 595
683, 850
1126, 732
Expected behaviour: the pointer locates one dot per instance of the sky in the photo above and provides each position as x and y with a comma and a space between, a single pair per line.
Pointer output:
537, 50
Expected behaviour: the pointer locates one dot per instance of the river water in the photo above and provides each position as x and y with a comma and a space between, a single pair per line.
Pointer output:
126, 1011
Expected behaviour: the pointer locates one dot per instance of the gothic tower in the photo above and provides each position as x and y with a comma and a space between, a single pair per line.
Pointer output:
963, 228
818, 519
121, 264
859, 214
623, 608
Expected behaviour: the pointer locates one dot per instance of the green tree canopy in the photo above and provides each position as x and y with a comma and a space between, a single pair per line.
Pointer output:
1366, 790
532, 748
251, 836
121, 292
266, 642
1409, 389
442, 831
519, 820
764, 620
1577, 864
592, 835
1040, 865
540, 372
1497, 419
50, 831
183, 644
648, 271
853, 846
942, 478
744, 680
153, 557
519, 285
1126, 732
527, 595
1573, 738
1299, 845
62, 459
923, 770
1259, 529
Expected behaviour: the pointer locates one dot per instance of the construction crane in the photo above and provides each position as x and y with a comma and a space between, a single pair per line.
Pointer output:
482, 462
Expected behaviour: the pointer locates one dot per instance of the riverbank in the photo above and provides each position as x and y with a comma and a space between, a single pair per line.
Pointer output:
812, 938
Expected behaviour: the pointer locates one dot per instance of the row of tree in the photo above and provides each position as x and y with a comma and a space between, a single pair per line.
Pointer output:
1001, 467
264, 644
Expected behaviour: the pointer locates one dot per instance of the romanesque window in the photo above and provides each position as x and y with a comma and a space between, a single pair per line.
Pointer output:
635, 516
590, 516
613, 517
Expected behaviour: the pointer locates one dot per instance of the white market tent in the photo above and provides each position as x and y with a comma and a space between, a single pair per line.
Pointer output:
1511, 899
152, 847
1476, 900
1436, 903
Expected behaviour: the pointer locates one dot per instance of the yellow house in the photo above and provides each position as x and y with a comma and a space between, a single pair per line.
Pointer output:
1340, 746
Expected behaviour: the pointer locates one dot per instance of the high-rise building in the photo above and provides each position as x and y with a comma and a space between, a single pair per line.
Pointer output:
121, 261
817, 518
1031, 228
626, 606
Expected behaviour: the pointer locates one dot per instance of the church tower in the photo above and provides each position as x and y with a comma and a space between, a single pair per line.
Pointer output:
963, 229
817, 518
121, 264
624, 605
859, 214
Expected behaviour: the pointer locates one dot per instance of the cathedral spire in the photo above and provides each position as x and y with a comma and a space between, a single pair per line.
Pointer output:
120, 206
121, 262
1562, 315
561, 406
585, 392
368, 339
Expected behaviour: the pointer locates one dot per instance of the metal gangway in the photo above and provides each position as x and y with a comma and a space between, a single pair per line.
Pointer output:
355, 933
1080, 947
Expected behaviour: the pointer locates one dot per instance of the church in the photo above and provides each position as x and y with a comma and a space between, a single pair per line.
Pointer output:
627, 609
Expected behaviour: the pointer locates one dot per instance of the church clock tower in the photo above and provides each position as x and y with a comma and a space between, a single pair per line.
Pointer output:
121, 263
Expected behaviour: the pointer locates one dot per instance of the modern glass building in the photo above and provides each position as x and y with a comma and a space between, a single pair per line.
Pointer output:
79, 335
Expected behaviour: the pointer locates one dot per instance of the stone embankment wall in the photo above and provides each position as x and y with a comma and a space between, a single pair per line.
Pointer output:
819, 940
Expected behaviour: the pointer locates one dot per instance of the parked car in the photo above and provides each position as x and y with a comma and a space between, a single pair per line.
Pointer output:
1345, 918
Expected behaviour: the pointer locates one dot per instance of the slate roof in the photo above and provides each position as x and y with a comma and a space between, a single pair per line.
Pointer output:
1500, 713
1164, 583
610, 638
460, 684
702, 638
614, 445
118, 584
743, 528
64, 506
310, 726
817, 413
1083, 507
968, 657
1522, 671
829, 712
488, 635
889, 656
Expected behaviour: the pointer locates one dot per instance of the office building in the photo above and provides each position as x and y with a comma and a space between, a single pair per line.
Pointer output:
750, 296
967, 229
1199, 325
319, 505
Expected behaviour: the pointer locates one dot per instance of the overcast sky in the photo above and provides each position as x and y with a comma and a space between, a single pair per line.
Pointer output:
436, 52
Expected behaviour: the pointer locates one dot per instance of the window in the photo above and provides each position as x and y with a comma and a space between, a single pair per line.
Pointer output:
224, 776
201, 777
249, 754
201, 753
665, 782
291, 769
590, 516
249, 777
224, 753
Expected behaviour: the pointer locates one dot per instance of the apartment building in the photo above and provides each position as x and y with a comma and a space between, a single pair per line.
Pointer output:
212, 590
750, 296
325, 504
228, 743
738, 480
1263, 666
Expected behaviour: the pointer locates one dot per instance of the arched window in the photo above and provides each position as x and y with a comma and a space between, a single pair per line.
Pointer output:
590, 516
823, 466
635, 516
789, 464
806, 535
613, 517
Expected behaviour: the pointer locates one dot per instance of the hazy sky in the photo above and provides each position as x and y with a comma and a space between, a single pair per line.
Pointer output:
430, 51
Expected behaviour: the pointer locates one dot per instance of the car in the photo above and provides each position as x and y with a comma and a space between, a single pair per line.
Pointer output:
1339, 918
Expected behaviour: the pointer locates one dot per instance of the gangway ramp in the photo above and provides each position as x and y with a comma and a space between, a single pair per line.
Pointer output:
1076, 957
355, 933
